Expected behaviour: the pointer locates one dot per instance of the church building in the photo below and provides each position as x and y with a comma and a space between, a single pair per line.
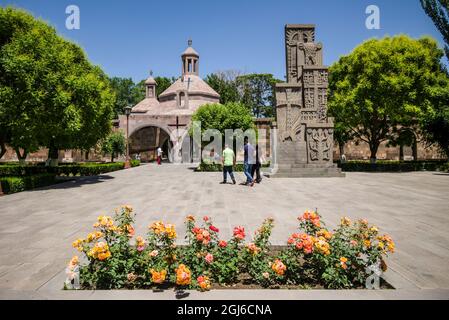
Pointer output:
161, 121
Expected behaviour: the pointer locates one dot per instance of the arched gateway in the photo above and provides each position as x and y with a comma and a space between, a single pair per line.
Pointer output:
163, 121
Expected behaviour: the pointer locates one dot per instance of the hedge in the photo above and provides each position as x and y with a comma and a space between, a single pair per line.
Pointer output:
18, 184
135, 163
444, 167
84, 169
391, 166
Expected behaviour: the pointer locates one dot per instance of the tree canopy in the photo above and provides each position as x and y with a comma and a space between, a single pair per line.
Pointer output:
127, 93
50, 95
221, 117
225, 84
386, 84
257, 93
114, 144
438, 11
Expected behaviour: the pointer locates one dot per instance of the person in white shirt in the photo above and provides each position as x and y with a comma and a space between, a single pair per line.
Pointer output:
159, 155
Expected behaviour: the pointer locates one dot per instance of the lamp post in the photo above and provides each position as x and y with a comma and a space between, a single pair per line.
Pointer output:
127, 113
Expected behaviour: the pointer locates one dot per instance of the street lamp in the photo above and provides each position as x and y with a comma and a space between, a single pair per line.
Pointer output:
127, 113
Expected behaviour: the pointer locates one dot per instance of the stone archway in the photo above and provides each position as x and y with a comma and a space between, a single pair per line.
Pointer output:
146, 139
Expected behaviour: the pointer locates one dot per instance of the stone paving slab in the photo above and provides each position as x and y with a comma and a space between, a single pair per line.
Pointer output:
38, 226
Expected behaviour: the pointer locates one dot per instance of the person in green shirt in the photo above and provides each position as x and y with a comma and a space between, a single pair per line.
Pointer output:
228, 162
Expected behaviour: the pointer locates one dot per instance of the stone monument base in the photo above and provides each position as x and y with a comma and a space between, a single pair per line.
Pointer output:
292, 163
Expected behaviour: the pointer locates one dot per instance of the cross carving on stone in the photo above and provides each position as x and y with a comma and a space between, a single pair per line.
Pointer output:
292, 124
189, 80
177, 125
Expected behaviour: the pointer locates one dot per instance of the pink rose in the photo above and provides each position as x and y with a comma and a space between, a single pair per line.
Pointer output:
209, 258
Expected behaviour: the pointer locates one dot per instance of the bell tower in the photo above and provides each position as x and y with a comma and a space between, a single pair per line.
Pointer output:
150, 86
190, 60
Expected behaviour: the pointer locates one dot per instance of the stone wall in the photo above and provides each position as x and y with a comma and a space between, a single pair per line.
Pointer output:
361, 151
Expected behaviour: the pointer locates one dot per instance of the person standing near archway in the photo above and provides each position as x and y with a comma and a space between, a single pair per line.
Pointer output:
159, 155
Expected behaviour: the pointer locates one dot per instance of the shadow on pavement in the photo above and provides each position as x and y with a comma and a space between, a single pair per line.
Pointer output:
74, 182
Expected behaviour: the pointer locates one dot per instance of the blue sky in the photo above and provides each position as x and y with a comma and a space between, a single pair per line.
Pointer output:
128, 38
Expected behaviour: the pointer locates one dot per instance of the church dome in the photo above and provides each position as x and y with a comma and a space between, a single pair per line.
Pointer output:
193, 84
190, 52
150, 80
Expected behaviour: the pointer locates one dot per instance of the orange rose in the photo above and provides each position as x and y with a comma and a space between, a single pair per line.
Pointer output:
158, 276
183, 275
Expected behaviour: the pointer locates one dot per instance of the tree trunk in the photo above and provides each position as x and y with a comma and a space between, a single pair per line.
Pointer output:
401, 152
87, 155
2, 149
112, 157
415, 149
342, 151
373, 147
21, 156
53, 156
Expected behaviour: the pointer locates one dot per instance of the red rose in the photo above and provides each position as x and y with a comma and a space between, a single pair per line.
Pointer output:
214, 229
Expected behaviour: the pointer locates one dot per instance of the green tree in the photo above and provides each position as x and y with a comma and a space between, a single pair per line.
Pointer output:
162, 84
221, 117
342, 135
50, 95
436, 126
257, 93
438, 11
127, 93
385, 84
225, 84
405, 136
114, 144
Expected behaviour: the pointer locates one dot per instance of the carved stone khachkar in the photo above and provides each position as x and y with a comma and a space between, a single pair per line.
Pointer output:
305, 133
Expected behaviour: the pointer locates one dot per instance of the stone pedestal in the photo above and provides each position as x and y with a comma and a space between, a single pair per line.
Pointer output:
304, 146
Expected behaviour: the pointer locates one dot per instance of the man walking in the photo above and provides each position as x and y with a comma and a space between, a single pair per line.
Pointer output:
228, 162
248, 162
256, 167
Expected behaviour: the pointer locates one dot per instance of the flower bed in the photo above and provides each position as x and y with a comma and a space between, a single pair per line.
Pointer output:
349, 257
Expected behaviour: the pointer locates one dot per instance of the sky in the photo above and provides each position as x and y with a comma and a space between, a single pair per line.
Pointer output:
129, 38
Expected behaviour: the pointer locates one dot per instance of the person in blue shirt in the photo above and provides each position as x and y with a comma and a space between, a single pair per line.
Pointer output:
256, 167
248, 162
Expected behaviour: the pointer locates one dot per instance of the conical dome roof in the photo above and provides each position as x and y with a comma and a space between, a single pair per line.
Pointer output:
190, 52
150, 80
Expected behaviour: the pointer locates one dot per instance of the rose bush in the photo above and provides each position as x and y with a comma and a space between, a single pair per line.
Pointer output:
115, 257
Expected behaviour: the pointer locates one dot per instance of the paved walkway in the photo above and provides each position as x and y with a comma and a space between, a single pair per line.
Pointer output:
37, 227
